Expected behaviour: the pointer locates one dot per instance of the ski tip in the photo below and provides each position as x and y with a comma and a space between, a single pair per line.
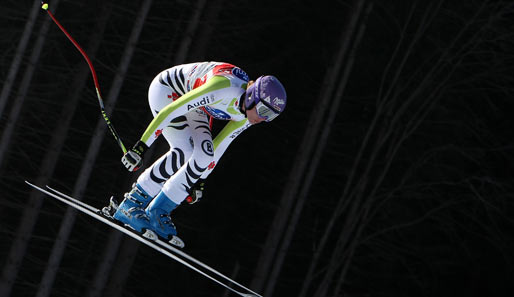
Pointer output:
30, 184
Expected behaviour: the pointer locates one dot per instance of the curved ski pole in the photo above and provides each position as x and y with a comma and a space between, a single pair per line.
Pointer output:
164, 245
136, 236
95, 78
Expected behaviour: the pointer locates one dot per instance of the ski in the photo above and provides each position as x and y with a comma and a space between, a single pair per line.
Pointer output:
165, 248
176, 241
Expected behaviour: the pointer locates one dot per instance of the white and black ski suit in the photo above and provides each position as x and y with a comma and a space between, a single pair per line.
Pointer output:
181, 99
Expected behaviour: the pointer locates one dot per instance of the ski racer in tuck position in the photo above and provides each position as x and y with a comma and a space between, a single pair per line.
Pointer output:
182, 99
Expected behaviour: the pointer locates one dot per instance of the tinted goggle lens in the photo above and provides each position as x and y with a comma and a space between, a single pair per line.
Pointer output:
265, 112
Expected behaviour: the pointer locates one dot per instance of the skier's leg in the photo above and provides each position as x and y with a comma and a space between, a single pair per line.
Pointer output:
177, 133
177, 187
151, 180
154, 177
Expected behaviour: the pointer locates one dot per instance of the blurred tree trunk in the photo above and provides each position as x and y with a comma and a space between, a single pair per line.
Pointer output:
94, 147
124, 262
60, 133
185, 44
24, 230
12, 120
360, 187
307, 160
233, 275
202, 38
351, 39
105, 265
396, 118
20, 51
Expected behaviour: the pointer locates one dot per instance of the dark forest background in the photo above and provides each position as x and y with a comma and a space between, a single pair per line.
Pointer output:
389, 174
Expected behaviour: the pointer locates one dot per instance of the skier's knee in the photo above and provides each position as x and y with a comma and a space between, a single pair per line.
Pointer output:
204, 154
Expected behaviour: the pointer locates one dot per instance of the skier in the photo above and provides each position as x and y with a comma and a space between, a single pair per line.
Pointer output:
182, 99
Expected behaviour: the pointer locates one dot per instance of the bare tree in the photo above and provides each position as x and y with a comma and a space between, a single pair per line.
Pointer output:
397, 182
301, 175
20, 51
19, 245
87, 165
24, 87
401, 108
59, 137
110, 253
120, 272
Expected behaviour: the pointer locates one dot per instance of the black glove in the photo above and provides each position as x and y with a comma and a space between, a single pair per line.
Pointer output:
196, 192
133, 159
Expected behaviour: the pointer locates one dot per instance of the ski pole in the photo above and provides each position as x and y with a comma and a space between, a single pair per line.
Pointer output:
95, 78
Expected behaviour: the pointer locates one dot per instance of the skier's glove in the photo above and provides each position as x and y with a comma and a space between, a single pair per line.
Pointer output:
196, 192
133, 159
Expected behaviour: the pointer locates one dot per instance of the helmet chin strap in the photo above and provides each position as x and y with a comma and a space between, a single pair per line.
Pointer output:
241, 104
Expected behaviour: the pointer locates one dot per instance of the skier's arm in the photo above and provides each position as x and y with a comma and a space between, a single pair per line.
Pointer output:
193, 99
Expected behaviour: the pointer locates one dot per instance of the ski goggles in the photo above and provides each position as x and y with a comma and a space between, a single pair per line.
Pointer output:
265, 112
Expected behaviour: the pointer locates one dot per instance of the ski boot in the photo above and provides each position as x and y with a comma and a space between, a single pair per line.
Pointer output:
158, 213
131, 211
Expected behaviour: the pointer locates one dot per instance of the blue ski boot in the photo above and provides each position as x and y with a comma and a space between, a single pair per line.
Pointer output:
158, 212
131, 211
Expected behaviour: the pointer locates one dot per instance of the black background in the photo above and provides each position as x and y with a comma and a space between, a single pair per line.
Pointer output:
426, 110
